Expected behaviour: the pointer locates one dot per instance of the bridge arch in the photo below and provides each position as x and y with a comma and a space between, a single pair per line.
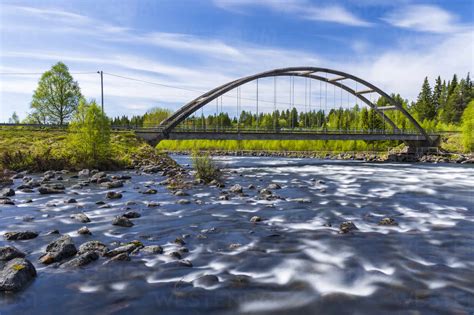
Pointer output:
314, 73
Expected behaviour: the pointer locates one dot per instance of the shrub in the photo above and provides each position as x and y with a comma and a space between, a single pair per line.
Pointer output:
205, 167
89, 138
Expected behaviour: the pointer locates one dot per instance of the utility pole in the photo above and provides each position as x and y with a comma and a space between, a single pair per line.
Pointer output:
102, 88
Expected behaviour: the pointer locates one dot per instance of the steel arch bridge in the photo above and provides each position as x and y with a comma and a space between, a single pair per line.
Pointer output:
168, 128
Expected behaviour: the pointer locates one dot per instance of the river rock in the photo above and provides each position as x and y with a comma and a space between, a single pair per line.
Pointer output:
388, 221
236, 189
6, 201
84, 231
81, 260
81, 217
152, 249
7, 192
180, 193
150, 192
347, 226
265, 192
10, 252
274, 186
47, 190
255, 219
127, 249
183, 202
113, 184
18, 236
94, 246
113, 195
60, 249
72, 200
16, 274
132, 215
224, 197
152, 204
97, 176
122, 221
84, 173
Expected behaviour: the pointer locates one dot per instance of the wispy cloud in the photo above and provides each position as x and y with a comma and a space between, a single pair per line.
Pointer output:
425, 18
300, 9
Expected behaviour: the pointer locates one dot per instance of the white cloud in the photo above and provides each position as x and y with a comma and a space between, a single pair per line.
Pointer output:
425, 18
299, 8
401, 69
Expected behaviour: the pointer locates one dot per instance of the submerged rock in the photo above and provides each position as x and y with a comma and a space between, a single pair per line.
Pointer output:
10, 252
122, 221
150, 192
81, 260
16, 274
183, 202
347, 226
206, 281
60, 249
22, 235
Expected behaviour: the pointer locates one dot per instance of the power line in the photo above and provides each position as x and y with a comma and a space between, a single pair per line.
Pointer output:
40, 73
153, 83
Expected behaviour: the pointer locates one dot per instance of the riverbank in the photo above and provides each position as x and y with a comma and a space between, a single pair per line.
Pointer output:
393, 156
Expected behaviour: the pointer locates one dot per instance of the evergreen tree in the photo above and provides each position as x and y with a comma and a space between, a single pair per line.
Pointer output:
424, 105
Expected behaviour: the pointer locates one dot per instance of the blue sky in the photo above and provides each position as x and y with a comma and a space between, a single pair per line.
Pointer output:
201, 44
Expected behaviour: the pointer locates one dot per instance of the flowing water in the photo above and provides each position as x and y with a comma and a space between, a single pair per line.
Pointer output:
293, 262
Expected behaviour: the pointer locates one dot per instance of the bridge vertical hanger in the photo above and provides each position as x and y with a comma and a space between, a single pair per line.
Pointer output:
274, 104
257, 107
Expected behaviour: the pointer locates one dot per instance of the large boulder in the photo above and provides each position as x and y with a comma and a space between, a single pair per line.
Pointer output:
58, 250
9, 252
16, 274
127, 248
93, 246
19, 236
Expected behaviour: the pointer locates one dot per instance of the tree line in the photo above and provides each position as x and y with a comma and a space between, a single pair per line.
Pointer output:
57, 100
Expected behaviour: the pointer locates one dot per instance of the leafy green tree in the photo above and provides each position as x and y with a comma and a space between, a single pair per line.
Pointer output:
57, 96
89, 136
155, 116
468, 127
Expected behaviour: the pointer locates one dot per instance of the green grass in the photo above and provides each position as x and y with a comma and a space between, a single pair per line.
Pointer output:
275, 145
38, 150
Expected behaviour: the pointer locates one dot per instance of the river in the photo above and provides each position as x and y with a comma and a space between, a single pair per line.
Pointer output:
294, 261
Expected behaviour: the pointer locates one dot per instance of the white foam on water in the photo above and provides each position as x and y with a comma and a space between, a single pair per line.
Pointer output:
277, 304
86, 288
119, 286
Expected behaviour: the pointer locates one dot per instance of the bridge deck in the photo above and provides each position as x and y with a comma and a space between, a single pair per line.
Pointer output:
267, 135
